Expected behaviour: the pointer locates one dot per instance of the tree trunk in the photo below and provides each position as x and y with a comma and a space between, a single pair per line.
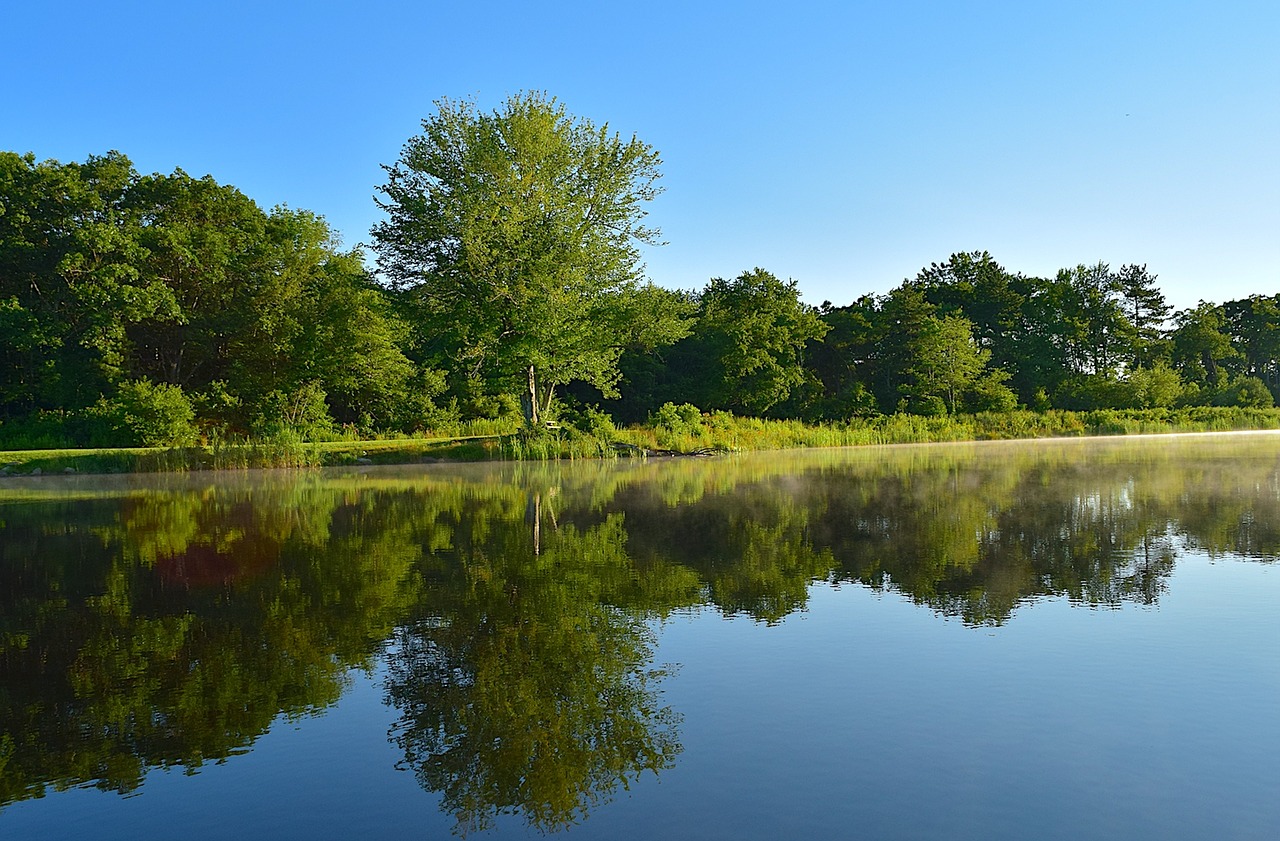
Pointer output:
530, 401
546, 400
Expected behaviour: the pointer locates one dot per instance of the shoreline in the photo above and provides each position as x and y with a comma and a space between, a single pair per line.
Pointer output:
715, 436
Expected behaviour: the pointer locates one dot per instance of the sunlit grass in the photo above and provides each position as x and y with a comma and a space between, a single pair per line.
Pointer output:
692, 433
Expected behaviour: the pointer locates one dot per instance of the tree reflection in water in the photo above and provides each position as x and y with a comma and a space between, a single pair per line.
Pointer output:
170, 622
527, 688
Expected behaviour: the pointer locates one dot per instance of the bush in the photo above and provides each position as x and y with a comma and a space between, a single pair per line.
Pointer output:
928, 405
219, 412
856, 401
1156, 387
682, 419
590, 420
675, 426
301, 413
1246, 392
990, 394
143, 414
492, 407
1086, 392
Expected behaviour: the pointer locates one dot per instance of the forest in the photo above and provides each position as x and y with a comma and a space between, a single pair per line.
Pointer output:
506, 285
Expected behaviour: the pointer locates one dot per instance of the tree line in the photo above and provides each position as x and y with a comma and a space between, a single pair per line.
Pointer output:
162, 309
966, 335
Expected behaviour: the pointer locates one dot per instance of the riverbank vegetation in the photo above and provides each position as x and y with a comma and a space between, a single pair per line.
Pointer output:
671, 431
508, 294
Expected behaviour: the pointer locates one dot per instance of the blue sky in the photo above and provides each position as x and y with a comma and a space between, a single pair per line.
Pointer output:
845, 145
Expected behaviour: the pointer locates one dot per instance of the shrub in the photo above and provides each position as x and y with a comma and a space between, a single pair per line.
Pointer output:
677, 426
143, 414
591, 420
1085, 392
990, 394
1247, 392
300, 413
928, 405
682, 419
1156, 387
219, 412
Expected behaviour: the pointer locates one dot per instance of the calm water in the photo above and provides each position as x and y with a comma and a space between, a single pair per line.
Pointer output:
1025, 640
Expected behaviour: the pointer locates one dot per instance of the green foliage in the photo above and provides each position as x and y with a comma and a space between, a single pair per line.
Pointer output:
1156, 387
517, 232
990, 394
747, 349
591, 421
70, 280
1201, 349
675, 426
1246, 392
1083, 392
162, 309
145, 414
946, 363
845, 361
109, 279
217, 409
301, 412
683, 419
1145, 306
494, 406
41, 430
1254, 327
926, 405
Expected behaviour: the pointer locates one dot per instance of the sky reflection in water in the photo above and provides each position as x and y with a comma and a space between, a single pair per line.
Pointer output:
540, 647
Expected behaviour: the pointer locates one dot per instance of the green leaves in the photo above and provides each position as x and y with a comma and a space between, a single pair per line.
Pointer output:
109, 280
753, 331
518, 231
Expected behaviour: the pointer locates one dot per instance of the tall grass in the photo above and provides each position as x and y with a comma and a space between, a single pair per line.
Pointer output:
723, 431
683, 430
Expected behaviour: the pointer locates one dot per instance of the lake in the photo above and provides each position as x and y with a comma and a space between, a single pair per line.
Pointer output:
1067, 639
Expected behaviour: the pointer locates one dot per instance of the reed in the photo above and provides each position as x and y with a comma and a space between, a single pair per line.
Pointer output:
680, 430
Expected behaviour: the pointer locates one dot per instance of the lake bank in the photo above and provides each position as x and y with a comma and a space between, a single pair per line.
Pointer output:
683, 433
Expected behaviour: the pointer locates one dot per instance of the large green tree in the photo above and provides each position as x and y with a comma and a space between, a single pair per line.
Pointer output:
1146, 308
748, 347
1202, 348
1254, 326
845, 360
976, 286
948, 363
518, 231
1099, 336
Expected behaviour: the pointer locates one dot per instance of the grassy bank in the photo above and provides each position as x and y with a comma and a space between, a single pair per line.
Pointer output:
682, 430
265, 454
719, 430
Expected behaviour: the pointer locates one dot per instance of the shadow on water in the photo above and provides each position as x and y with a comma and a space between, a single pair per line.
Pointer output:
169, 622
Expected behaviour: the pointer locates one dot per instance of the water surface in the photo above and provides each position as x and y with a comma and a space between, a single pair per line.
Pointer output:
1064, 639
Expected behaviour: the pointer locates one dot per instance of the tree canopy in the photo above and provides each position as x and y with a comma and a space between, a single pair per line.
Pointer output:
123, 294
166, 309
518, 233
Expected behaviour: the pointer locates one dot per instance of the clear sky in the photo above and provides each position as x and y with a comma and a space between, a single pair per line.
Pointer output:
845, 145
